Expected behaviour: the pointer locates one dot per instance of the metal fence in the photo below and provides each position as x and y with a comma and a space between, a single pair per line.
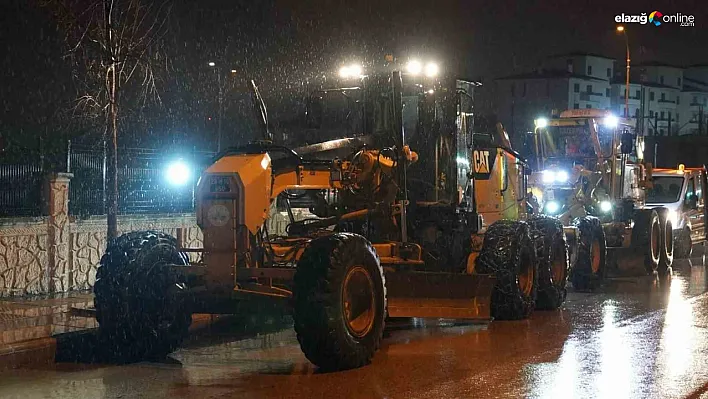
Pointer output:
144, 184
21, 178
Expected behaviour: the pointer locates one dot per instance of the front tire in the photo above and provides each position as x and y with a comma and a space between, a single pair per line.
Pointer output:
552, 263
340, 302
683, 247
509, 253
666, 249
591, 263
139, 307
647, 237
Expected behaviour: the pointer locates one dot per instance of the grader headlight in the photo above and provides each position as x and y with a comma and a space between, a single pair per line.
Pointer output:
555, 176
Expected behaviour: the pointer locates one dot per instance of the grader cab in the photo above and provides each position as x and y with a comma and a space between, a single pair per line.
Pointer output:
374, 249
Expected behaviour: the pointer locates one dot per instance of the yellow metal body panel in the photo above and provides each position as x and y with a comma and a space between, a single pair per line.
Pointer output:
501, 195
254, 172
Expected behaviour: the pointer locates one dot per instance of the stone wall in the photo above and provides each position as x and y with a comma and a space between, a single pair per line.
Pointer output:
23, 256
59, 253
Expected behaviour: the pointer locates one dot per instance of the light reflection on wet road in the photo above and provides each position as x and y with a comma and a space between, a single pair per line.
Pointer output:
637, 337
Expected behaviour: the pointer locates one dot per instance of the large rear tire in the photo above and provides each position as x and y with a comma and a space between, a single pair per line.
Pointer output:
666, 251
340, 302
139, 308
591, 263
509, 253
647, 237
552, 263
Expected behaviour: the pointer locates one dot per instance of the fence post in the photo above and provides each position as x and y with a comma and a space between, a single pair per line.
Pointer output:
58, 265
68, 156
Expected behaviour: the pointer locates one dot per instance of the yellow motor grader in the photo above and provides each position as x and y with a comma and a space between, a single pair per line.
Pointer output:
425, 221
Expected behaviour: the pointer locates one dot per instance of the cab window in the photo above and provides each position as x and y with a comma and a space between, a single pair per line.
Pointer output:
691, 189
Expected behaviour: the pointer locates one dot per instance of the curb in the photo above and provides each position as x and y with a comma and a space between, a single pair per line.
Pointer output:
41, 352
35, 352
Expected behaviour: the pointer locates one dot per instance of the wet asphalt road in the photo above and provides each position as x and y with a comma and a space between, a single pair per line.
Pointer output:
641, 337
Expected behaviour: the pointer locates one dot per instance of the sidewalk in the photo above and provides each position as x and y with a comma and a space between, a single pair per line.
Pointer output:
29, 326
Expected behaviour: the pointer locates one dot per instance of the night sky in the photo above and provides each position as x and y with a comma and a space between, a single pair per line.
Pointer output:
287, 45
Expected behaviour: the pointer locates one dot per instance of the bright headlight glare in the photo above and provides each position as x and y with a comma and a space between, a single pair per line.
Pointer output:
552, 207
178, 173
350, 71
555, 176
548, 176
541, 122
605, 206
611, 121
414, 67
431, 70
673, 217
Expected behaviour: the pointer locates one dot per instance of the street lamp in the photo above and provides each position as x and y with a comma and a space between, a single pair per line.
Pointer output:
622, 30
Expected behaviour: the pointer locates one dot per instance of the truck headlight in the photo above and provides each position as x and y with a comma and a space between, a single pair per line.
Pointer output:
552, 207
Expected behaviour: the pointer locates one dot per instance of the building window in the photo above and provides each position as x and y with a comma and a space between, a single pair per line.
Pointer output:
661, 80
576, 88
669, 116
589, 69
576, 106
663, 96
607, 92
609, 72
677, 118
695, 100
638, 94
588, 106
589, 88
678, 100
651, 96
678, 82
662, 115
636, 113
651, 113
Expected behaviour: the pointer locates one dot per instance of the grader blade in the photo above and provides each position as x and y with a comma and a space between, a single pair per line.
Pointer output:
439, 295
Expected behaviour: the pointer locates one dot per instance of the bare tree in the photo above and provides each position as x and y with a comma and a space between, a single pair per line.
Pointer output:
114, 48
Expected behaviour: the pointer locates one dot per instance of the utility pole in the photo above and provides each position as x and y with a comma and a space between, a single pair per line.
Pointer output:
700, 120
622, 30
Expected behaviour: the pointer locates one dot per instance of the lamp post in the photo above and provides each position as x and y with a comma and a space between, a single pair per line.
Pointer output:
623, 31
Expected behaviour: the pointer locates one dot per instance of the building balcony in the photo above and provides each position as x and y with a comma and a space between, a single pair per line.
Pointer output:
667, 101
591, 96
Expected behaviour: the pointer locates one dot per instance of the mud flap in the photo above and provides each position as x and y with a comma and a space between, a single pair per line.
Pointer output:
439, 295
